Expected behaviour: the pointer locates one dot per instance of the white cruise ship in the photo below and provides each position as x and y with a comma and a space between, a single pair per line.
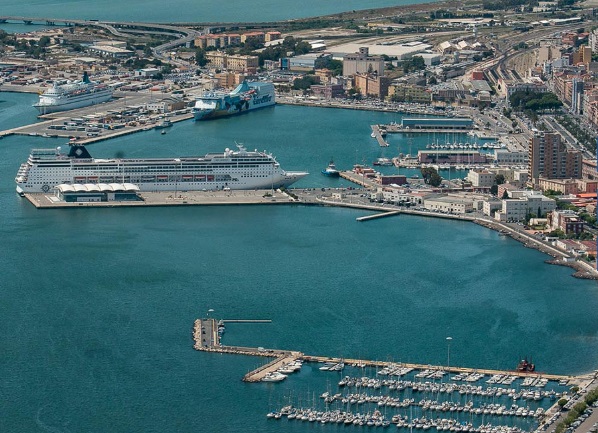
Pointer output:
241, 169
73, 95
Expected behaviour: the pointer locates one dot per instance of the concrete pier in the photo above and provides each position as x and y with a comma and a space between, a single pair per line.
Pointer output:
378, 215
377, 132
261, 372
358, 179
171, 198
205, 335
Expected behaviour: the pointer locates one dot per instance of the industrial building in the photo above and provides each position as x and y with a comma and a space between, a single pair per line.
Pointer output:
362, 63
437, 123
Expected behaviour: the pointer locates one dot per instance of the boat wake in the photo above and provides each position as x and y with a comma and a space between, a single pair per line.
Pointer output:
45, 426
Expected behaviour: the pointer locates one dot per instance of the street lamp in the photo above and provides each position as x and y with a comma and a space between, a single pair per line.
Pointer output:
448, 352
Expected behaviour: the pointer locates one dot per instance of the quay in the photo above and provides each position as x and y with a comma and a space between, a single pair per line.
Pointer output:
171, 198
377, 134
207, 339
358, 179
55, 124
258, 374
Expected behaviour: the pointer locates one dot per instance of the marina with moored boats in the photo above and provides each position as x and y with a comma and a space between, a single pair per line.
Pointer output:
405, 395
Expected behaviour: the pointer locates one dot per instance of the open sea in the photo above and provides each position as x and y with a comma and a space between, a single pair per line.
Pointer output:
98, 304
183, 10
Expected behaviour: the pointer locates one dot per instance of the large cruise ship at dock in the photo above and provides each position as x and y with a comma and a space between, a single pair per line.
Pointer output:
246, 97
71, 95
239, 169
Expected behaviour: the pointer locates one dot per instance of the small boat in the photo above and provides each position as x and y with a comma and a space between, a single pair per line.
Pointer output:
163, 132
331, 170
164, 124
526, 366
327, 366
274, 377
383, 161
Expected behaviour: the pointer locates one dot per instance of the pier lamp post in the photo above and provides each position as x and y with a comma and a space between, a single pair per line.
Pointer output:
448, 352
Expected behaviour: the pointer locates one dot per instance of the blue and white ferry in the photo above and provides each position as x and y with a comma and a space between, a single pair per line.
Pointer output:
246, 97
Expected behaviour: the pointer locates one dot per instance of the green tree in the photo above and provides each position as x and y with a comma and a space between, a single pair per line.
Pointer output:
336, 67
305, 82
435, 179
431, 176
200, 57
44, 41
147, 51
302, 47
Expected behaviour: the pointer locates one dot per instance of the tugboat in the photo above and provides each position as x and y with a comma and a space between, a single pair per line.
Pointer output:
526, 366
331, 170
164, 124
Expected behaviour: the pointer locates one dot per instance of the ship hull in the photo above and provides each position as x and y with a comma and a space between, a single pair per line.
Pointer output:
283, 181
73, 104
217, 114
246, 97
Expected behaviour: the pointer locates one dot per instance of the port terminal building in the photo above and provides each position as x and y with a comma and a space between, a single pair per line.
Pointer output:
434, 123
461, 156
97, 192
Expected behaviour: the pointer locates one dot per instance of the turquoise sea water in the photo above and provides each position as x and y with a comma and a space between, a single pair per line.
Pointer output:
98, 304
188, 10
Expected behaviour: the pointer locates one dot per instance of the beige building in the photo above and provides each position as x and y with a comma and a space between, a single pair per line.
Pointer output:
583, 55
258, 36
228, 79
404, 92
362, 63
448, 204
524, 204
372, 85
234, 63
272, 36
566, 186
481, 178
